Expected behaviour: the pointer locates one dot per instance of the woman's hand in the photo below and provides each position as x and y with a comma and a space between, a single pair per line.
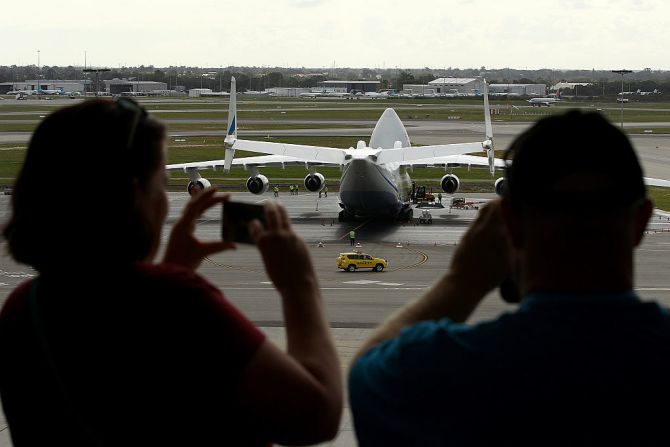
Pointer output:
287, 260
184, 248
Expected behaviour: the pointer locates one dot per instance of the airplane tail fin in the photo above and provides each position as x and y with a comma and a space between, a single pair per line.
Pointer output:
231, 133
488, 143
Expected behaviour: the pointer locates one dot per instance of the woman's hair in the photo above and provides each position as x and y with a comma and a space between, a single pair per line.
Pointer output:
74, 198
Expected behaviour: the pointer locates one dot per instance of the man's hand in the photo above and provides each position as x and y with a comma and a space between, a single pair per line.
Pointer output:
482, 260
287, 260
481, 263
184, 248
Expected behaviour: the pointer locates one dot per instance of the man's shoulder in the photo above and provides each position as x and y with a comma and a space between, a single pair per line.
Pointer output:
429, 346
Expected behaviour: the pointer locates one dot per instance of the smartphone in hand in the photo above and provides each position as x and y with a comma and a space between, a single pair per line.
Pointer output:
235, 220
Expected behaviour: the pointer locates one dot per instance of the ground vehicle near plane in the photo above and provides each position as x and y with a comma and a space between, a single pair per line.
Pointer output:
421, 195
356, 260
375, 179
425, 217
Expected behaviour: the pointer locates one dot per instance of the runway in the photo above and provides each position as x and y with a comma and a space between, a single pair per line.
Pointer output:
417, 255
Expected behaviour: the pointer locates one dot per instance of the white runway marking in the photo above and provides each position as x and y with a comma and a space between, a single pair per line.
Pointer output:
16, 274
362, 282
330, 288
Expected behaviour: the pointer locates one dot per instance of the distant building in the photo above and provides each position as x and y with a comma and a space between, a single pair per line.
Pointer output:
51, 85
118, 86
418, 89
446, 86
468, 86
348, 86
519, 89
198, 92
570, 85
290, 92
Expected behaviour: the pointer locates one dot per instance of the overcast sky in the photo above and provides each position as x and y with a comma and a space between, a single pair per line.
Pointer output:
567, 34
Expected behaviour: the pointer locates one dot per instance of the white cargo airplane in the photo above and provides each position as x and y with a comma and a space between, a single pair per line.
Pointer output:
375, 180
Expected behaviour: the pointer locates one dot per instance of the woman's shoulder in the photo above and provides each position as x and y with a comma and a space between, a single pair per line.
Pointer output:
172, 276
16, 300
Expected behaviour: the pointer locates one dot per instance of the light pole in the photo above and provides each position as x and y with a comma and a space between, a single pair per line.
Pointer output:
38, 72
97, 72
622, 73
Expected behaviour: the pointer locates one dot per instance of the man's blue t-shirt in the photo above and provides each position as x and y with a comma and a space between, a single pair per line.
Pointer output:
561, 370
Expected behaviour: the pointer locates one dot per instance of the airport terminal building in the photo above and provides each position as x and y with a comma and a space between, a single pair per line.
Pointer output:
118, 86
519, 89
66, 86
446, 86
348, 86
288, 92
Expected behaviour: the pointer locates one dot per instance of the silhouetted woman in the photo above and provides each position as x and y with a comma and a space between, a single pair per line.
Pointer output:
105, 347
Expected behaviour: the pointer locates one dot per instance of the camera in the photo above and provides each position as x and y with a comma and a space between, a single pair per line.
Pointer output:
235, 220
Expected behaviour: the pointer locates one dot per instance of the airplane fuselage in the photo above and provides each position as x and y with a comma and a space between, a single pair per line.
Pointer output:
368, 189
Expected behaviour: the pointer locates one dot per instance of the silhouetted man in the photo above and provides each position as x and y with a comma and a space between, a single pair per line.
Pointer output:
582, 361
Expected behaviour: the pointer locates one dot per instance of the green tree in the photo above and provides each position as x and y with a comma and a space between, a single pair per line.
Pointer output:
405, 77
275, 79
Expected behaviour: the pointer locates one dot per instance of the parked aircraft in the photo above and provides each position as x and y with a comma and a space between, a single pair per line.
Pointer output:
325, 94
655, 92
375, 178
387, 93
256, 93
539, 102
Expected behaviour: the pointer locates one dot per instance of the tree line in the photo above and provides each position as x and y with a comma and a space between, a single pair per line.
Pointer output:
602, 83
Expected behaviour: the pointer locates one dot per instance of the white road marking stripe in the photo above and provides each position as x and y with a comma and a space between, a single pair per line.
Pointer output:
329, 288
361, 281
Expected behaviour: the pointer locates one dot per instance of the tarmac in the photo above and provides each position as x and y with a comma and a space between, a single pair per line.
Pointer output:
355, 302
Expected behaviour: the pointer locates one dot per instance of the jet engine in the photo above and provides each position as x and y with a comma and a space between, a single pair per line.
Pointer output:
258, 184
450, 183
315, 182
499, 186
198, 185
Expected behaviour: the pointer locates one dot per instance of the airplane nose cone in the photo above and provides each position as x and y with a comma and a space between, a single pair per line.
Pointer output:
366, 189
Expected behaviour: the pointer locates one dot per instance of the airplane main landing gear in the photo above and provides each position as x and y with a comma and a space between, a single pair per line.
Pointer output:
406, 215
344, 216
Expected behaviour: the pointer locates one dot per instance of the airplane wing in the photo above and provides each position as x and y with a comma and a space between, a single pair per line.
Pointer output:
455, 160
406, 155
656, 182
260, 161
313, 154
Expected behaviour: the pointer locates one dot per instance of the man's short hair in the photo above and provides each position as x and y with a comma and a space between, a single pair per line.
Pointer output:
573, 162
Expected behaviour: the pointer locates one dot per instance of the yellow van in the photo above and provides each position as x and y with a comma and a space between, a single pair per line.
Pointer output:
357, 260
